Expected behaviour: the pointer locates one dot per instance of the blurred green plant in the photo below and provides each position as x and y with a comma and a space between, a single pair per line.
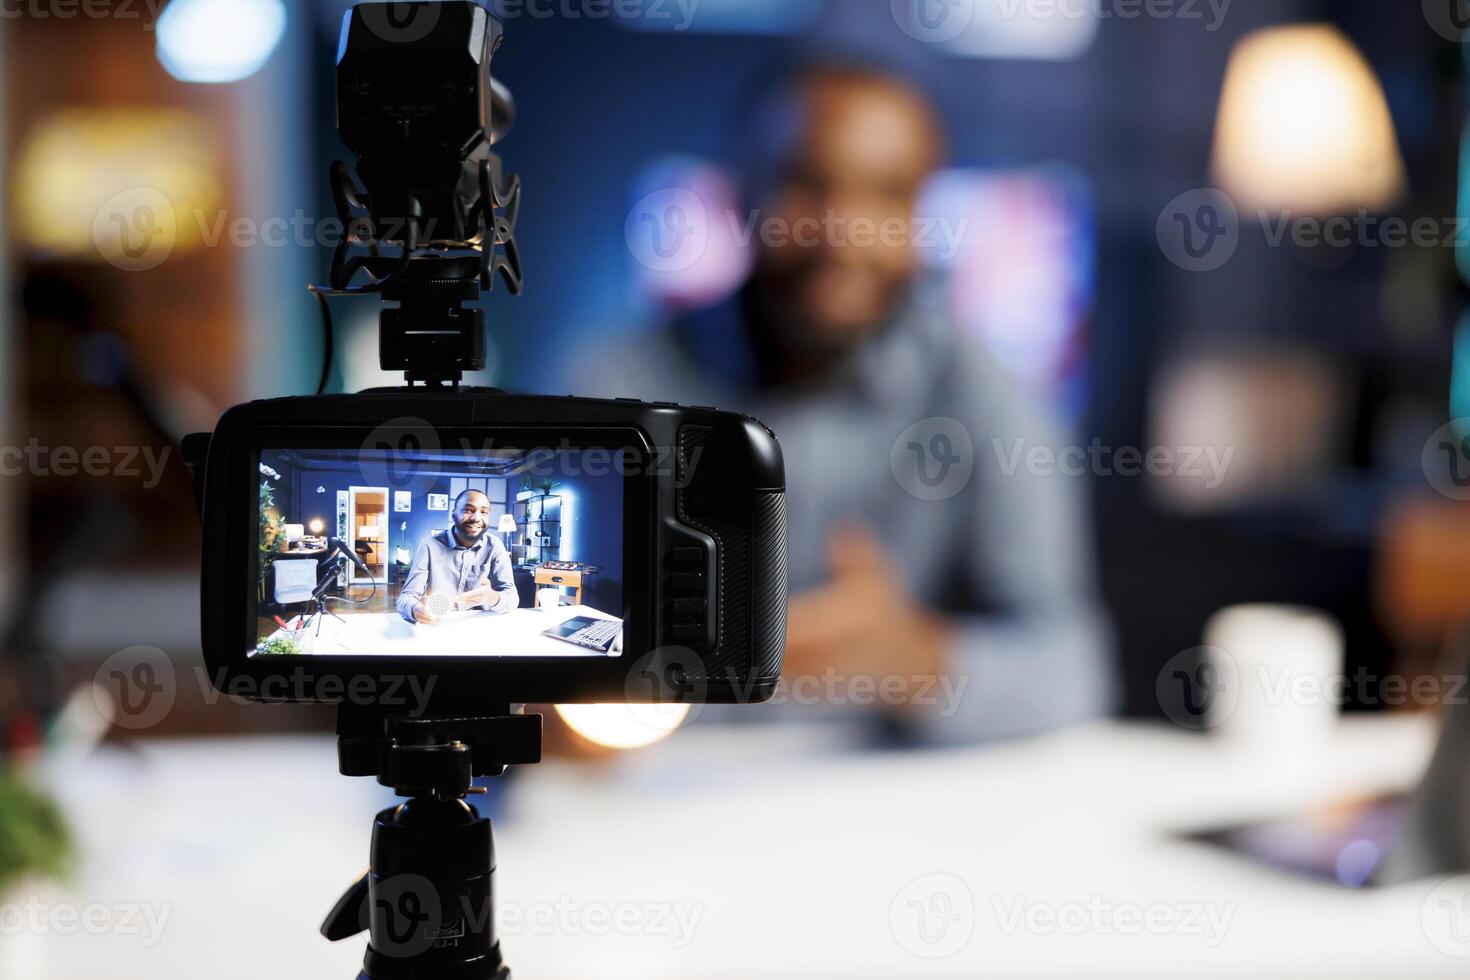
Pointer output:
34, 840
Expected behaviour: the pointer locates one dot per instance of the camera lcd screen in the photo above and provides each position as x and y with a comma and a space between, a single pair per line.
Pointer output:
442, 552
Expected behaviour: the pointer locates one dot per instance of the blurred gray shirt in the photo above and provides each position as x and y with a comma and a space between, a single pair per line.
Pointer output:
921, 437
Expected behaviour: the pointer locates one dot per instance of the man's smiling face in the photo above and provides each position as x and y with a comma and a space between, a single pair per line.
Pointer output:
473, 517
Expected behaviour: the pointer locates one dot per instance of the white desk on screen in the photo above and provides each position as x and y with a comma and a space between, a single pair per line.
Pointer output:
517, 633
791, 855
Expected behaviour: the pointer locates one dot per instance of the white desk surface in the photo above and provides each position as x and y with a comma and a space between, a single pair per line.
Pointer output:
463, 633
791, 855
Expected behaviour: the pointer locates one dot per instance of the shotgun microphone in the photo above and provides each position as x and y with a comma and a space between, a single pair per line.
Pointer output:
339, 545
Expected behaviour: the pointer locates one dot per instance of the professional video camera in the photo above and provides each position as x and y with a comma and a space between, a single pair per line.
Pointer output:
486, 549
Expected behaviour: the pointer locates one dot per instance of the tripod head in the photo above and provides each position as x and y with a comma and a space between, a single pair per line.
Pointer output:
437, 753
427, 900
418, 107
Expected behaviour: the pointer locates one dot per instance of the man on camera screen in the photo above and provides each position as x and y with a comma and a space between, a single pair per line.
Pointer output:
463, 562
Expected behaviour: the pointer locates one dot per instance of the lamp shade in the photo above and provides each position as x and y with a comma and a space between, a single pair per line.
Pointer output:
1304, 125
507, 523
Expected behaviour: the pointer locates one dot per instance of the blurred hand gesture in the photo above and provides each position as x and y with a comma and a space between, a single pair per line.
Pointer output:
863, 622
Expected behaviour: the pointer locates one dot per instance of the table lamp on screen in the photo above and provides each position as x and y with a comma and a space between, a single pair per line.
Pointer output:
507, 528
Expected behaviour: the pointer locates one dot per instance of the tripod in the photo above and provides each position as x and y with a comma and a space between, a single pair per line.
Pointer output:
318, 603
427, 900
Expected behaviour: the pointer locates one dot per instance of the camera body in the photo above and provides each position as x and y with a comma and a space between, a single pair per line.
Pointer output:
698, 495
476, 548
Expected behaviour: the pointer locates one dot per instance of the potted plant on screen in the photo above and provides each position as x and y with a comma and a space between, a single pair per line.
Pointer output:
271, 525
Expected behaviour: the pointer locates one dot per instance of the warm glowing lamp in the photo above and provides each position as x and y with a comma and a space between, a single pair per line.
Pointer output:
623, 726
316, 526
1304, 125
128, 185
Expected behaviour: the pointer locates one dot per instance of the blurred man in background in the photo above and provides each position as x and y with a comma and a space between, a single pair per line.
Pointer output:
934, 579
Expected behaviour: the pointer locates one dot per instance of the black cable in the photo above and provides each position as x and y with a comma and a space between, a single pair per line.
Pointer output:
321, 296
375, 286
360, 602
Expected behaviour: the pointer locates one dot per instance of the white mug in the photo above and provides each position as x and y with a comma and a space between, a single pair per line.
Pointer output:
1283, 662
548, 598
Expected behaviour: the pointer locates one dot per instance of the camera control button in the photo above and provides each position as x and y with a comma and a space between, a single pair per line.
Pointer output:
689, 581
689, 609
688, 556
